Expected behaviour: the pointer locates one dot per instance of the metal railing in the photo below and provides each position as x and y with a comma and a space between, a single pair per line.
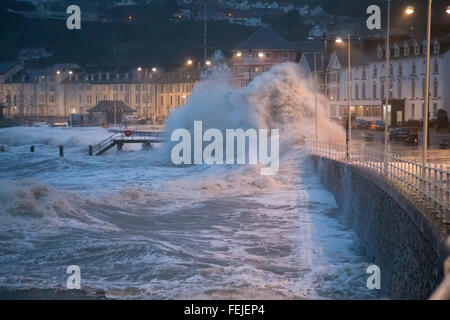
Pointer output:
428, 182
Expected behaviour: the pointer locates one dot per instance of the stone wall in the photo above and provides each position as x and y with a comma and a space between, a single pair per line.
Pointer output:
396, 233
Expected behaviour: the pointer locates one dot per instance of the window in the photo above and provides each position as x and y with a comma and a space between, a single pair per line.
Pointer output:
391, 70
413, 69
374, 93
380, 53
423, 88
375, 71
436, 47
413, 89
383, 95
399, 89
268, 55
436, 66
356, 91
364, 90
434, 110
364, 72
416, 49
400, 70
406, 50
413, 110
435, 88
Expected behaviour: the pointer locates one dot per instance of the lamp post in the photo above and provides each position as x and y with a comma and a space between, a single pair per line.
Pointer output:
387, 86
410, 10
315, 94
349, 123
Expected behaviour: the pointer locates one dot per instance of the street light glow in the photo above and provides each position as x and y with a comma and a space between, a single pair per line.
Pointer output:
154, 69
409, 10
70, 72
189, 62
260, 54
448, 10
58, 72
338, 40
208, 63
139, 69
238, 54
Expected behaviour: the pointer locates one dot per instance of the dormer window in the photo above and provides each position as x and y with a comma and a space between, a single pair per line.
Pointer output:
424, 49
416, 49
380, 53
436, 47
406, 50
396, 51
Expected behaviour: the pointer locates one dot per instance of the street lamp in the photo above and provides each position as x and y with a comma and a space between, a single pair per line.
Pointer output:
208, 63
349, 125
387, 86
154, 69
189, 62
139, 69
238, 54
409, 10
448, 10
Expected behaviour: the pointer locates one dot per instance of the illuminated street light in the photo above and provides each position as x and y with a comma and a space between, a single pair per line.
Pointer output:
448, 10
349, 97
189, 62
238, 54
58, 72
70, 72
409, 10
260, 54
208, 63
139, 69
154, 69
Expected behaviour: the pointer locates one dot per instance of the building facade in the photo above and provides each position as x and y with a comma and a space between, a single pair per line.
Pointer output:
407, 80
258, 53
61, 90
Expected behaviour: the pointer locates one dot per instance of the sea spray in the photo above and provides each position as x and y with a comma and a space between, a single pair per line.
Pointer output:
278, 99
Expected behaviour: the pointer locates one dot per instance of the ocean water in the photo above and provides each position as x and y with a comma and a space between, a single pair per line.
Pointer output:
141, 228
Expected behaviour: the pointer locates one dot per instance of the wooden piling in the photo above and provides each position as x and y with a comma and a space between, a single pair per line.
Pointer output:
61, 151
32, 149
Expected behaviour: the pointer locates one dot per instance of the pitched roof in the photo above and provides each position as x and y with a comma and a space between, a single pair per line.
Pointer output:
6, 66
110, 105
266, 38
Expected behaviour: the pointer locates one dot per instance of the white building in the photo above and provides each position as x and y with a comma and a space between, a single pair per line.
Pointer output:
407, 81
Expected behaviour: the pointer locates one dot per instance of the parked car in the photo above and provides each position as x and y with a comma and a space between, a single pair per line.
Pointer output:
377, 125
398, 134
359, 124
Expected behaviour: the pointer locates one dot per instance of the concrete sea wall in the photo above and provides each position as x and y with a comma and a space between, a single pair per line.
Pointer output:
406, 241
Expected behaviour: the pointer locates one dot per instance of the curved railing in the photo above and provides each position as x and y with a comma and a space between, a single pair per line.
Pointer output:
428, 181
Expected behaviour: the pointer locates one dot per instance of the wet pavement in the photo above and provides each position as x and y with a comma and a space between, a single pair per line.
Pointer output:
435, 154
